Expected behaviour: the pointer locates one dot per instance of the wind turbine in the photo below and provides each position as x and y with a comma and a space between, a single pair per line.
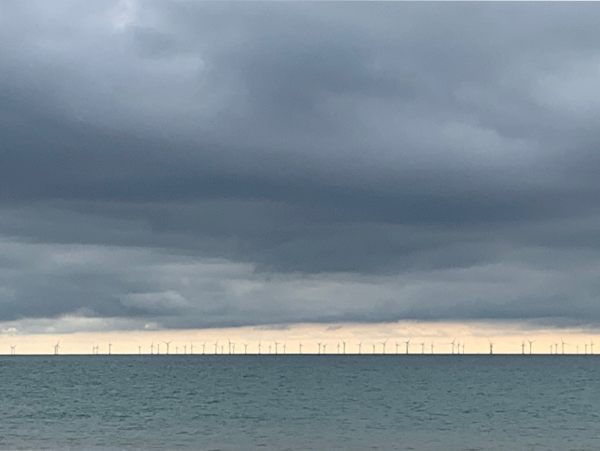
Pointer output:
185, 349
228, 346
191, 348
522, 347
531, 342
319, 347
432, 347
383, 343
491, 348
157, 348
176, 349
284, 347
373, 348
109, 348
152, 348
13, 349
562, 342
139, 349
591, 347
422, 348
360, 348
300, 348
56, 347
245, 348
407, 343
585, 349
167, 343
343, 347
324, 348
216, 347
397, 345
276, 343
338, 347
452, 343
203, 348
259, 347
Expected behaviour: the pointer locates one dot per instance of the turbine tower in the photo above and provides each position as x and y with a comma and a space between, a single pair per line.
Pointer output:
56, 347
167, 343
360, 348
407, 344
531, 342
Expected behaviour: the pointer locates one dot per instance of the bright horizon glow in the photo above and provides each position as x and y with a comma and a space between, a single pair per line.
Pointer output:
507, 338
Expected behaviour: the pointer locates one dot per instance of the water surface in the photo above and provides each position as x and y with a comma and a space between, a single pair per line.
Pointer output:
300, 402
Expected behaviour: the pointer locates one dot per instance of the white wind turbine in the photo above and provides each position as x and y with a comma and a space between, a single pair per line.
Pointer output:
373, 348
139, 349
276, 343
284, 347
259, 348
360, 348
522, 347
338, 347
318, 348
109, 348
167, 343
407, 344
324, 348
491, 348
185, 349
343, 347
383, 343
216, 347
397, 346
56, 347
152, 348
432, 347
452, 343
299, 348
245, 348
422, 348
562, 343
531, 342
13, 349
591, 347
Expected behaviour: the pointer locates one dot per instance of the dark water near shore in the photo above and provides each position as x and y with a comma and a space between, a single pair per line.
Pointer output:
300, 402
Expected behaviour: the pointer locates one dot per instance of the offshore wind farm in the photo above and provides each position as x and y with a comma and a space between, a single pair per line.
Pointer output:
299, 226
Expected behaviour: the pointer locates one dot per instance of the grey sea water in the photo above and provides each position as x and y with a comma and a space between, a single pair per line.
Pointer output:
300, 402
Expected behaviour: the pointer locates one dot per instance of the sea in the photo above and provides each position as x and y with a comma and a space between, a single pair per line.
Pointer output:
300, 402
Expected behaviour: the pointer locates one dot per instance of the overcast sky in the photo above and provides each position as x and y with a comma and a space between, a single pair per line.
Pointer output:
187, 164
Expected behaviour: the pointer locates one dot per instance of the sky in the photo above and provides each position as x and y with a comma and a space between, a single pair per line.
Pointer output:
185, 166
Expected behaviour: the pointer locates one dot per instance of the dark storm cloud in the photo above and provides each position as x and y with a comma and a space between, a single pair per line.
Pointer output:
363, 162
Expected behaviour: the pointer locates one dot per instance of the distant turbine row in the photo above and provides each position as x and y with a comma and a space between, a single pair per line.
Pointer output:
341, 347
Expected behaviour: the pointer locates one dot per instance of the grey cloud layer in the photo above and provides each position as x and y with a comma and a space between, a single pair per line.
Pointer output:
340, 161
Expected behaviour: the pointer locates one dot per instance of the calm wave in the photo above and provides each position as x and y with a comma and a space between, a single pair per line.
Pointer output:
300, 402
